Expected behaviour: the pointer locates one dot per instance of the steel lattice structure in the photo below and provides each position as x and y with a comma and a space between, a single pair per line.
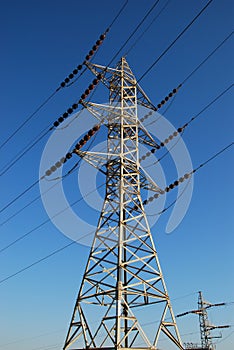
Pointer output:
123, 280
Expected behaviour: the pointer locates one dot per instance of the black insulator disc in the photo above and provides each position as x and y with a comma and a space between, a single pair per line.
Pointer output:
78, 146
166, 140
153, 150
158, 146
63, 84
58, 164
67, 80
60, 119
86, 137
95, 81
159, 105
176, 182
145, 202
99, 76
91, 52
83, 96
162, 144
156, 195
162, 102
79, 67
171, 186
53, 168
56, 123
70, 110
94, 48
96, 127
174, 91
150, 113
167, 189
82, 142
87, 92
170, 94
71, 76
68, 155
91, 87
75, 106
87, 57
48, 172
170, 137
91, 132
166, 98
186, 176
179, 129
63, 160
98, 42
175, 133
181, 179
102, 37
150, 199
75, 71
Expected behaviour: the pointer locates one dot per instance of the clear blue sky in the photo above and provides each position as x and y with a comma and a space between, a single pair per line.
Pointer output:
42, 42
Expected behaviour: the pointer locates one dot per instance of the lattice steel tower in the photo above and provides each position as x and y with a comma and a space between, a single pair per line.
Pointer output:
123, 302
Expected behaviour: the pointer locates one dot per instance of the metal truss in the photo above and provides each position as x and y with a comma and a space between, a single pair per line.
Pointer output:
123, 283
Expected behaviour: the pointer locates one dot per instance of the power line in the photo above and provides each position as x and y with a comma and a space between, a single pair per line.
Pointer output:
175, 40
91, 232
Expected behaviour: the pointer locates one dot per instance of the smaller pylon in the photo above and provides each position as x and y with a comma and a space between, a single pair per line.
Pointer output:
205, 326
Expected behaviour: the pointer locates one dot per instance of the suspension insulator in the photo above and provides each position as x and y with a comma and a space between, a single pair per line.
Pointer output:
162, 144
56, 123
94, 48
143, 157
87, 57
82, 142
159, 105
181, 179
170, 94
171, 186
145, 202
166, 140
175, 133
67, 80
166, 98
70, 110
176, 182
174, 91
65, 115
102, 37
63, 84
153, 150
186, 176
83, 96
95, 81
167, 189
180, 129
150, 199
99, 76
87, 92
163, 102
63, 160
75, 71
71, 76
91, 87
98, 42
79, 67
60, 119
74, 106
156, 195
78, 146
170, 137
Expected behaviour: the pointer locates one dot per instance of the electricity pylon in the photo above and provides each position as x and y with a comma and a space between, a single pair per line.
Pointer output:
205, 326
123, 286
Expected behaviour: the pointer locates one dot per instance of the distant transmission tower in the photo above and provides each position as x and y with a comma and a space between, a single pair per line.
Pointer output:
123, 302
205, 326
